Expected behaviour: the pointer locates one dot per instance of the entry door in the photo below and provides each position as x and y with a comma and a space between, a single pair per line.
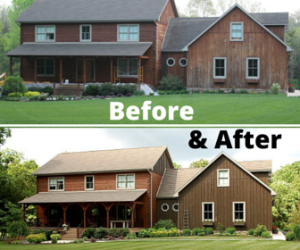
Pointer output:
90, 70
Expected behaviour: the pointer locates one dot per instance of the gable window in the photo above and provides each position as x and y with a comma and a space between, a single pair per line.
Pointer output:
236, 31
45, 67
56, 184
220, 67
128, 67
223, 178
85, 33
165, 207
239, 212
45, 33
208, 211
126, 181
252, 68
171, 62
89, 182
128, 32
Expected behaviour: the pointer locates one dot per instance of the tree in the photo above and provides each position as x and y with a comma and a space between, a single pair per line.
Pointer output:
199, 164
248, 5
4, 134
293, 40
200, 8
176, 166
14, 84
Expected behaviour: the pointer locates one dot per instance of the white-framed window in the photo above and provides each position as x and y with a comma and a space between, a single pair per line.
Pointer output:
126, 181
239, 211
183, 62
236, 31
253, 68
128, 67
175, 207
56, 183
223, 178
45, 33
128, 32
89, 181
165, 207
220, 67
208, 211
85, 33
45, 66
170, 62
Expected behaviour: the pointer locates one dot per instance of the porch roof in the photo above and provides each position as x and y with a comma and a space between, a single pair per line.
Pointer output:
81, 49
85, 196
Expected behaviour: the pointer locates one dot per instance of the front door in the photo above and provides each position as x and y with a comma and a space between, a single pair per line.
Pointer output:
90, 70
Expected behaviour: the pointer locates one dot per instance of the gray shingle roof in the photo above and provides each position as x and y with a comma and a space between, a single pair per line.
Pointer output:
257, 166
92, 10
80, 49
87, 196
272, 18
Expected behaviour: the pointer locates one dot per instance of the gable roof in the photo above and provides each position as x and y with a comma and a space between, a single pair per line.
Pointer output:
55, 11
257, 166
272, 18
120, 160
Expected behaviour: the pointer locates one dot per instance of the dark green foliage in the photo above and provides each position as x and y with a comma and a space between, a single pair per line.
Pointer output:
290, 236
196, 231
259, 230
92, 90
46, 232
209, 231
296, 231
171, 83
18, 228
106, 89
206, 92
35, 89
130, 236
220, 228
167, 224
220, 91
89, 233
144, 233
230, 230
187, 232
266, 235
116, 232
243, 91
42, 98
250, 232
14, 84
47, 89
201, 234
139, 93
125, 89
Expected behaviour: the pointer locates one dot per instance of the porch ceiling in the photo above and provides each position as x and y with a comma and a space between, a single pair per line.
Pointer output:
85, 196
81, 49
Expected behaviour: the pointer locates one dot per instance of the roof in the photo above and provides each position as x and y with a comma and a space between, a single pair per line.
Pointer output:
257, 166
86, 196
80, 49
56, 11
120, 160
174, 179
272, 18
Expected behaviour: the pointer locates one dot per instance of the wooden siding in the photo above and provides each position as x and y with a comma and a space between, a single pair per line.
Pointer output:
163, 163
242, 188
156, 180
278, 30
176, 70
257, 43
170, 214
263, 176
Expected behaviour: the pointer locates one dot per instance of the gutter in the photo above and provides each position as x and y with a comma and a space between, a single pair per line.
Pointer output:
89, 21
151, 210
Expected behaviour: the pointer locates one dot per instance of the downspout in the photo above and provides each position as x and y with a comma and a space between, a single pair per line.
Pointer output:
151, 215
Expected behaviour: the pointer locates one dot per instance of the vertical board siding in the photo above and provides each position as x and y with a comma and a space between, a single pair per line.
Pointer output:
176, 70
243, 188
263, 176
278, 30
163, 163
170, 214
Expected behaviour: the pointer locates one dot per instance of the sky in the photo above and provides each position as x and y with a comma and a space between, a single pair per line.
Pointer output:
45, 143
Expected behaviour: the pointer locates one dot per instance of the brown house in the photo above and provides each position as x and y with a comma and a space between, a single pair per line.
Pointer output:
137, 187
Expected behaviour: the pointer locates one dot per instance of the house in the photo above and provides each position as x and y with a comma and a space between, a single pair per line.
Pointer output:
137, 187
132, 41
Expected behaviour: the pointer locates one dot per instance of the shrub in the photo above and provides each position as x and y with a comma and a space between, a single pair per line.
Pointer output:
220, 228
201, 234
55, 238
47, 233
124, 231
187, 232
172, 83
114, 232
89, 232
196, 231
259, 230
24, 98
92, 90
144, 233
233, 90
230, 230
15, 95
290, 236
14, 84
250, 232
243, 91
15, 240
170, 92
36, 238
101, 233
106, 89
35, 89
124, 89
30, 94
220, 91
206, 92
61, 98
85, 238
275, 89
42, 98
159, 233
167, 224
18, 228
48, 90
296, 231
266, 92
130, 236
139, 93
266, 235
253, 92
209, 231
160, 92
173, 232
213, 92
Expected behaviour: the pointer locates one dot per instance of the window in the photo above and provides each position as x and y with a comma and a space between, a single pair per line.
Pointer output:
45, 67
253, 68
175, 207
220, 64
223, 178
165, 207
171, 62
89, 182
183, 62
128, 67
85, 33
236, 32
208, 211
128, 32
239, 211
45, 33
56, 184
126, 181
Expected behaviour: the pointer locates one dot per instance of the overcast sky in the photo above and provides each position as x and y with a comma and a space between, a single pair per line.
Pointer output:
43, 144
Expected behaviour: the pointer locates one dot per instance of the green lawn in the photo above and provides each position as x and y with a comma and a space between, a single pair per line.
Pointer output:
208, 109
183, 244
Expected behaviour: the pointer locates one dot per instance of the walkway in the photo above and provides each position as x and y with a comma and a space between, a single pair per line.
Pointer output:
279, 236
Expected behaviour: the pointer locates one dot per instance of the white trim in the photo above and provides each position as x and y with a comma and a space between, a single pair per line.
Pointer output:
92, 59
128, 40
128, 76
233, 210
165, 210
170, 64
218, 177
56, 190
258, 68
89, 189
45, 41
80, 32
125, 182
174, 208
225, 68
180, 62
233, 40
54, 63
213, 210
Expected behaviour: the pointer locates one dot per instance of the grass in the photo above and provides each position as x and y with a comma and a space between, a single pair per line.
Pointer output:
208, 109
164, 245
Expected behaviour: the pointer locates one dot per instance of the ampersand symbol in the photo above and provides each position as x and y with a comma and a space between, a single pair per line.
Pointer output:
195, 142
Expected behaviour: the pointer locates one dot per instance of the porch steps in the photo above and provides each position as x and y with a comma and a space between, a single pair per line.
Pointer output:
71, 234
186, 220
67, 90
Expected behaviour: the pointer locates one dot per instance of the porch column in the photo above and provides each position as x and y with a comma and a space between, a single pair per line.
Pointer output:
139, 70
84, 208
84, 71
35, 70
111, 70
132, 214
10, 67
60, 71
65, 212
107, 207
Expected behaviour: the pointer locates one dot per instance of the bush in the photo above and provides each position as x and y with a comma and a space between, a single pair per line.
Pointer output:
296, 231
55, 238
14, 84
173, 232
47, 233
48, 90
196, 231
230, 230
36, 238
209, 231
187, 232
243, 91
159, 233
114, 232
124, 89
15, 95
201, 234
92, 90
171, 83
130, 236
220, 228
89, 233
18, 228
106, 89
275, 89
139, 93
160, 92
43, 98
101, 233
167, 224
206, 92
290, 236
220, 91
124, 231
250, 232
144, 233
30, 94
259, 230
266, 235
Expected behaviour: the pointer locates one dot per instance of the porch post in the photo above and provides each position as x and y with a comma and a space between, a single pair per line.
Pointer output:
139, 70
111, 70
44, 216
35, 70
84, 71
10, 68
107, 207
60, 71
132, 215
84, 218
